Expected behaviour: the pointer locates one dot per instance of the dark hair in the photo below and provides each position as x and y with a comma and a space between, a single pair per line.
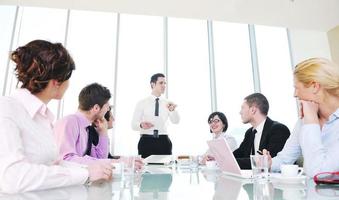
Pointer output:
40, 61
259, 100
108, 114
222, 118
155, 77
93, 94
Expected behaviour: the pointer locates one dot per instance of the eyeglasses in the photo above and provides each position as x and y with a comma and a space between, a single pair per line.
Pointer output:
327, 178
214, 121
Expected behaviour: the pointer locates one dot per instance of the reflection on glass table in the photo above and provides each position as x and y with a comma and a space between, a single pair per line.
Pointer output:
330, 191
154, 186
182, 184
291, 190
232, 186
101, 191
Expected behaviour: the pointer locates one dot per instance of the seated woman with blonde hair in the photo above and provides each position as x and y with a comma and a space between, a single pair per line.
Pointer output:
316, 134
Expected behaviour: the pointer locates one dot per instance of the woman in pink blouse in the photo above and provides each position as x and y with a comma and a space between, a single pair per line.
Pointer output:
28, 152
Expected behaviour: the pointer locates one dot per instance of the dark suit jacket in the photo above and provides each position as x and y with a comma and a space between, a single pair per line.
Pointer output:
273, 138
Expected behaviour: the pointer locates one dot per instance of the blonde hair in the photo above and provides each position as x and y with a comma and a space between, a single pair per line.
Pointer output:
320, 70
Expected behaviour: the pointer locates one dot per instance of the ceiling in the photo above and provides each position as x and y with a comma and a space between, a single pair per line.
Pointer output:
321, 15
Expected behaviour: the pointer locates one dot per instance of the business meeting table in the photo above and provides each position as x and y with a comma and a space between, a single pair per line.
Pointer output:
184, 182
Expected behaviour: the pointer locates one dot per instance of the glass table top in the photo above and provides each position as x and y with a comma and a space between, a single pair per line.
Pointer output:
160, 182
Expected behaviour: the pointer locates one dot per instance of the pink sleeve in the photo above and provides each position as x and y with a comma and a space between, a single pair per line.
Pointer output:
101, 150
67, 133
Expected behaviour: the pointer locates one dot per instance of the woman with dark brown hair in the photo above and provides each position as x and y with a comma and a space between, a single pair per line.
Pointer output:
28, 151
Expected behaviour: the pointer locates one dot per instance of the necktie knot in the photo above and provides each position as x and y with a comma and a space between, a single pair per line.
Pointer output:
254, 131
90, 128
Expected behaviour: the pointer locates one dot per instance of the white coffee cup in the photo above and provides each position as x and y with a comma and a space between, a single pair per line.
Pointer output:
211, 164
291, 170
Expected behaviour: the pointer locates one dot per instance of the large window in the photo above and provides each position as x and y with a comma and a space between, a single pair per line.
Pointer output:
7, 15
123, 51
38, 23
233, 70
276, 76
92, 46
140, 56
188, 84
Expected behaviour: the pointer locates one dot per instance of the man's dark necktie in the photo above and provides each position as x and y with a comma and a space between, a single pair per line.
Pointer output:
156, 113
93, 138
253, 146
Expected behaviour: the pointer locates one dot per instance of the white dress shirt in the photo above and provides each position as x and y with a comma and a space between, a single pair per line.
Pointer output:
28, 151
318, 146
232, 143
258, 135
144, 111
230, 140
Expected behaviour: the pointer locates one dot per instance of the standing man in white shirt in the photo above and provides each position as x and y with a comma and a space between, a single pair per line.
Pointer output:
150, 118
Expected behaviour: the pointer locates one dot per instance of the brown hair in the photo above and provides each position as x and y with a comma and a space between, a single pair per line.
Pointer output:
260, 101
40, 61
93, 94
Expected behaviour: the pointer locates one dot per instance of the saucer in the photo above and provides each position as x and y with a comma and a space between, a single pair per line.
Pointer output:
287, 186
280, 178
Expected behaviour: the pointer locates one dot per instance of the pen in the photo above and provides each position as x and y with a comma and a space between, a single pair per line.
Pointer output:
259, 152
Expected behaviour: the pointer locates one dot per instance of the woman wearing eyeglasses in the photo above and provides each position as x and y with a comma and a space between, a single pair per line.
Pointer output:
218, 126
316, 135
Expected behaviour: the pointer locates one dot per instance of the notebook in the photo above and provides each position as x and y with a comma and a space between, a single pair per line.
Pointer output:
158, 160
225, 159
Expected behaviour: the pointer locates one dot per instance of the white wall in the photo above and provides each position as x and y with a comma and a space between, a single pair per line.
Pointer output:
306, 14
306, 44
333, 38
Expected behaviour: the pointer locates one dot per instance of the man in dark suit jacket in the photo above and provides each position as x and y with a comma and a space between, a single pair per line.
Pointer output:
264, 133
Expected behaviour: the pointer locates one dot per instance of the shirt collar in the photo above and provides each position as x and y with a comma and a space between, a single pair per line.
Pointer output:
83, 121
32, 104
221, 135
333, 116
260, 127
154, 97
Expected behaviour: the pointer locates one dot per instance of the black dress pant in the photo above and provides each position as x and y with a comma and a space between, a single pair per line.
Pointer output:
149, 145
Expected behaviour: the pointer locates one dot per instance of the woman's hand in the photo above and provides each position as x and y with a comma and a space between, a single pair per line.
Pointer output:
101, 171
309, 112
207, 158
